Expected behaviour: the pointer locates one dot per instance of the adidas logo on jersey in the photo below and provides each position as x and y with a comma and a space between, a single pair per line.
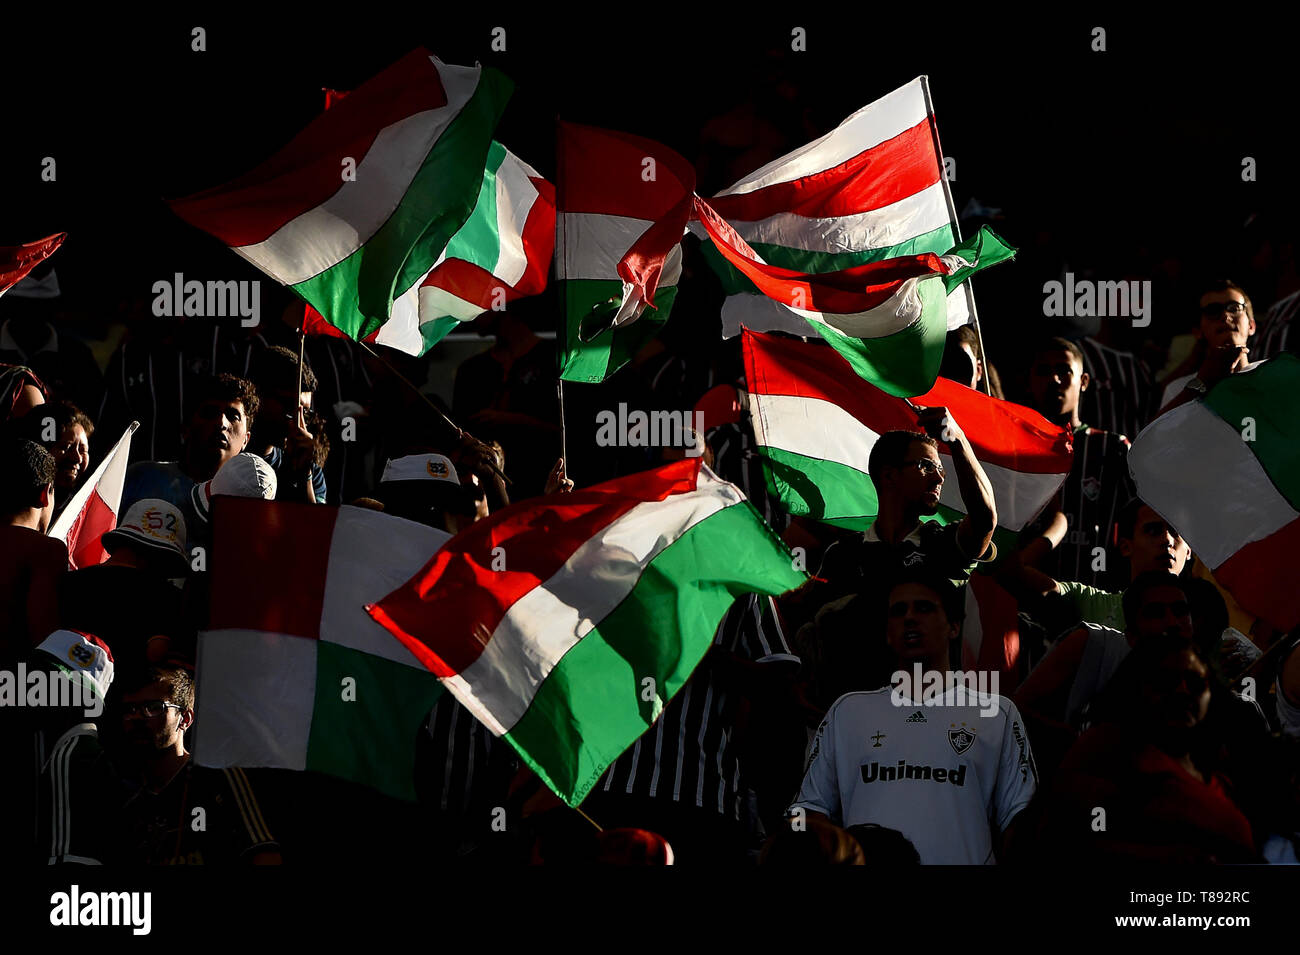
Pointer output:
938, 774
917, 717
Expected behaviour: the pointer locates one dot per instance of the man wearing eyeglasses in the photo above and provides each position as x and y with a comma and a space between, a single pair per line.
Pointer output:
1227, 323
182, 814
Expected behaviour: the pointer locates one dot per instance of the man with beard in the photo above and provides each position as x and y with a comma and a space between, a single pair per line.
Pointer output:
217, 429
170, 794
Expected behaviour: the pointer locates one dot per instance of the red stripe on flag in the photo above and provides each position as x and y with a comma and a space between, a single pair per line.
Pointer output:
85, 544
268, 565
1000, 432
845, 292
1262, 577
999, 650
446, 614
618, 174
306, 172
876, 177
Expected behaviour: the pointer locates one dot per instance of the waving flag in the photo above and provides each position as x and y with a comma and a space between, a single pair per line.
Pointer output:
566, 623
92, 511
624, 202
886, 318
871, 189
358, 209
294, 675
1225, 471
17, 260
815, 425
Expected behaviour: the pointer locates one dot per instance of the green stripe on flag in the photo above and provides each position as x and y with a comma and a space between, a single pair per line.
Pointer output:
1260, 405
905, 363
984, 249
591, 706
479, 240
613, 348
816, 263
356, 295
371, 737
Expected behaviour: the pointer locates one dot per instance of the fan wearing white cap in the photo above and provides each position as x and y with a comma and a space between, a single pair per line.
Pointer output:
129, 599
245, 475
426, 488
76, 788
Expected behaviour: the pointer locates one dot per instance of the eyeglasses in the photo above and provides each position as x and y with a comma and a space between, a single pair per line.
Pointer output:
926, 466
149, 708
1215, 309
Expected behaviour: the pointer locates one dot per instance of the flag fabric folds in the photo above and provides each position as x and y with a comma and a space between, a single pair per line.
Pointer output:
1225, 471
17, 260
92, 511
566, 623
294, 674
623, 205
815, 425
357, 210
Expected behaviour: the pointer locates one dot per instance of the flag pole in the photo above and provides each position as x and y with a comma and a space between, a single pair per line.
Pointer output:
561, 331
460, 432
956, 227
588, 818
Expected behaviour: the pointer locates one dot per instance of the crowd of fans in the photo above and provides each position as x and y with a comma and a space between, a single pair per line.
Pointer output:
1144, 715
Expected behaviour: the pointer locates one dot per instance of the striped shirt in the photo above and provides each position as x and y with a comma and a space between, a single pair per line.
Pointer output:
76, 797
689, 755
735, 460
1275, 332
1119, 391
462, 770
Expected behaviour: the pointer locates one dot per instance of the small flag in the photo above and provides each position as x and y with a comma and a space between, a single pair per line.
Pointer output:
1225, 471
566, 623
294, 674
92, 511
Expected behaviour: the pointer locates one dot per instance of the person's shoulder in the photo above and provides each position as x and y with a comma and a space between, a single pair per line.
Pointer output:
857, 701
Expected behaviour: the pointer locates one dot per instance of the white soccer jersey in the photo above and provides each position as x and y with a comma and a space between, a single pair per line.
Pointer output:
943, 776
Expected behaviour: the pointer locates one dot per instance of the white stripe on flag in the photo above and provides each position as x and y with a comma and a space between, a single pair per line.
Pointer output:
515, 197
1168, 464
887, 117
759, 313
551, 618
322, 237
821, 429
590, 245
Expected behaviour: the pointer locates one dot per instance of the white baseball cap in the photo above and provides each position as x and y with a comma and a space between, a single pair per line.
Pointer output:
244, 475
155, 523
82, 655
420, 467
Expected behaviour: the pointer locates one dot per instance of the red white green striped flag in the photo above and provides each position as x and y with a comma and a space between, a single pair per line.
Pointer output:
566, 623
293, 674
871, 189
885, 318
1225, 470
815, 424
624, 202
418, 138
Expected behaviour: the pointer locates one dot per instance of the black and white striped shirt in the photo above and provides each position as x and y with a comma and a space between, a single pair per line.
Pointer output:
1096, 491
689, 755
1275, 332
1119, 390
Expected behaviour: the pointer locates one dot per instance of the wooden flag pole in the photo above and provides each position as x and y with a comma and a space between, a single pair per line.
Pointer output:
588, 818
956, 228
